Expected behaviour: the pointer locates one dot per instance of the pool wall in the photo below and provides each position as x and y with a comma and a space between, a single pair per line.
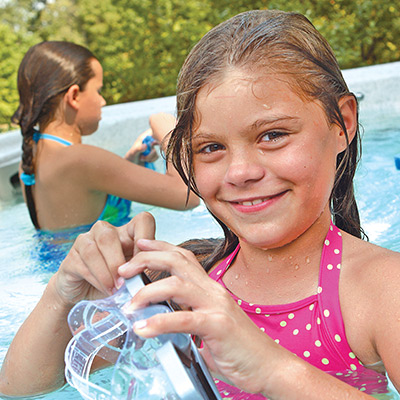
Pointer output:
377, 87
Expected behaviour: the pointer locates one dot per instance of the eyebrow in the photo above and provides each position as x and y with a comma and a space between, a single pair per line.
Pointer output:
271, 120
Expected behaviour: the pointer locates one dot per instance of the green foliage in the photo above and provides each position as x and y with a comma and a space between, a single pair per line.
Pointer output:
142, 43
13, 47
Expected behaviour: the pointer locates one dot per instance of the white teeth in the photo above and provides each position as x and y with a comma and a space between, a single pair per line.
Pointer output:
257, 201
252, 203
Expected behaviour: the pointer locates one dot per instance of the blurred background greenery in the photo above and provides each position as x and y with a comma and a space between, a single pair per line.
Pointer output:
142, 43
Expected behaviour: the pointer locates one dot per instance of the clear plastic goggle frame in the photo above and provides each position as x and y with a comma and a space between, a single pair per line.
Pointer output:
166, 367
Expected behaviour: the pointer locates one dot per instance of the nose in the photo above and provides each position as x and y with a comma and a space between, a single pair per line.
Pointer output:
244, 169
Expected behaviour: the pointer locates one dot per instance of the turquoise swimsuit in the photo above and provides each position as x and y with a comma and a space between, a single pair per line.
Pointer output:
116, 210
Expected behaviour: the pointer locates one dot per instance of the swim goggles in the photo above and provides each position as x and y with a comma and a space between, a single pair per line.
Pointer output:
167, 367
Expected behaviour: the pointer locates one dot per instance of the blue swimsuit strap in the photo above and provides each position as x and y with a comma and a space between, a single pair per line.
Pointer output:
37, 136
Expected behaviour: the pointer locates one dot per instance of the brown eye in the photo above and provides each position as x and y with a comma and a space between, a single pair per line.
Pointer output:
211, 148
273, 136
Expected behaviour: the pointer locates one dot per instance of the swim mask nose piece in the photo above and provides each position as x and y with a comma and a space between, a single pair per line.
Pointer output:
165, 367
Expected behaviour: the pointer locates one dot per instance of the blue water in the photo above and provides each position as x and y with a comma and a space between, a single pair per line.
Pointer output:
23, 275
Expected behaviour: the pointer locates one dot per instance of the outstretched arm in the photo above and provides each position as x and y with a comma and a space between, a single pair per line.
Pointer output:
96, 169
35, 359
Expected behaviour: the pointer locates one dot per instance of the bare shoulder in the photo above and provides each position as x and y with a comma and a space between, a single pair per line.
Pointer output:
369, 290
368, 267
362, 257
85, 158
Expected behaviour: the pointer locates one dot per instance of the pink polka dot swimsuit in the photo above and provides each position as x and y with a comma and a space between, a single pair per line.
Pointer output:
311, 328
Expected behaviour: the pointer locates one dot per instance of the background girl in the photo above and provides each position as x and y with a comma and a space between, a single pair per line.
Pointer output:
292, 304
67, 183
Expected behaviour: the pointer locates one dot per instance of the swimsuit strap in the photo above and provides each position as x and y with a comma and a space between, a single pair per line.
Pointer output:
37, 136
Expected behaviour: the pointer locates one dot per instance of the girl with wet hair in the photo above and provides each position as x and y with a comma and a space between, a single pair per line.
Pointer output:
67, 183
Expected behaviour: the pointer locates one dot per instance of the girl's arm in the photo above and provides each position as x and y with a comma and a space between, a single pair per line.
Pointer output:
35, 359
97, 169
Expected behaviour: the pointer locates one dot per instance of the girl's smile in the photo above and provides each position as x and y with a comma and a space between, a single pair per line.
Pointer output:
264, 158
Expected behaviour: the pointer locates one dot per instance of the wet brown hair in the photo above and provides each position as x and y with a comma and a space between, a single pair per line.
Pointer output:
272, 41
46, 72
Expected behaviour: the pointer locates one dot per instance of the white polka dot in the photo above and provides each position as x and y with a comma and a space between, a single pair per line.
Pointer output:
336, 251
291, 316
283, 324
352, 355
319, 321
308, 327
338, 338
262, 329
353, 367
339, 233
251, 304
295, 332
277, 341
258, 310
267, 315
306, 354
330, 267
338, 266
219, 272
311, 307
325, 361
331, 228
327, 243
239, 302
327, 313
318, 343
319, 290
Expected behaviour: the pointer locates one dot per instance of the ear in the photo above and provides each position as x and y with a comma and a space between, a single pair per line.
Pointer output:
72, 96
348, 108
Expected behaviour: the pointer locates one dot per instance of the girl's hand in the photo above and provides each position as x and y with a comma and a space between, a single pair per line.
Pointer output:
90, 269
233, 346
134, 153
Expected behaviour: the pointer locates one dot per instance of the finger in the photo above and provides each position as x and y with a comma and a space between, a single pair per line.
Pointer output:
174, 260
181, 291
142, 226
189, 322
108, 246
91, 264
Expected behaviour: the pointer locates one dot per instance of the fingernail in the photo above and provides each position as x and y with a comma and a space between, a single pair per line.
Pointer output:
138, 325
120, 282
123, 267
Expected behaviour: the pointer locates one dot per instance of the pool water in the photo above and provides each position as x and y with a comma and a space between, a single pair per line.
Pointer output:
24, 274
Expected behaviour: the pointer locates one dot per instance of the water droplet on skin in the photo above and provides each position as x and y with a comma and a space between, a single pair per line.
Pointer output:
237, 276
308, 260
296, 267
269, 257
246, 283
290, 257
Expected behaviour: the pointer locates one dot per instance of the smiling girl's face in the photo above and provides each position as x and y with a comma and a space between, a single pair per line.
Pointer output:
264, 158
